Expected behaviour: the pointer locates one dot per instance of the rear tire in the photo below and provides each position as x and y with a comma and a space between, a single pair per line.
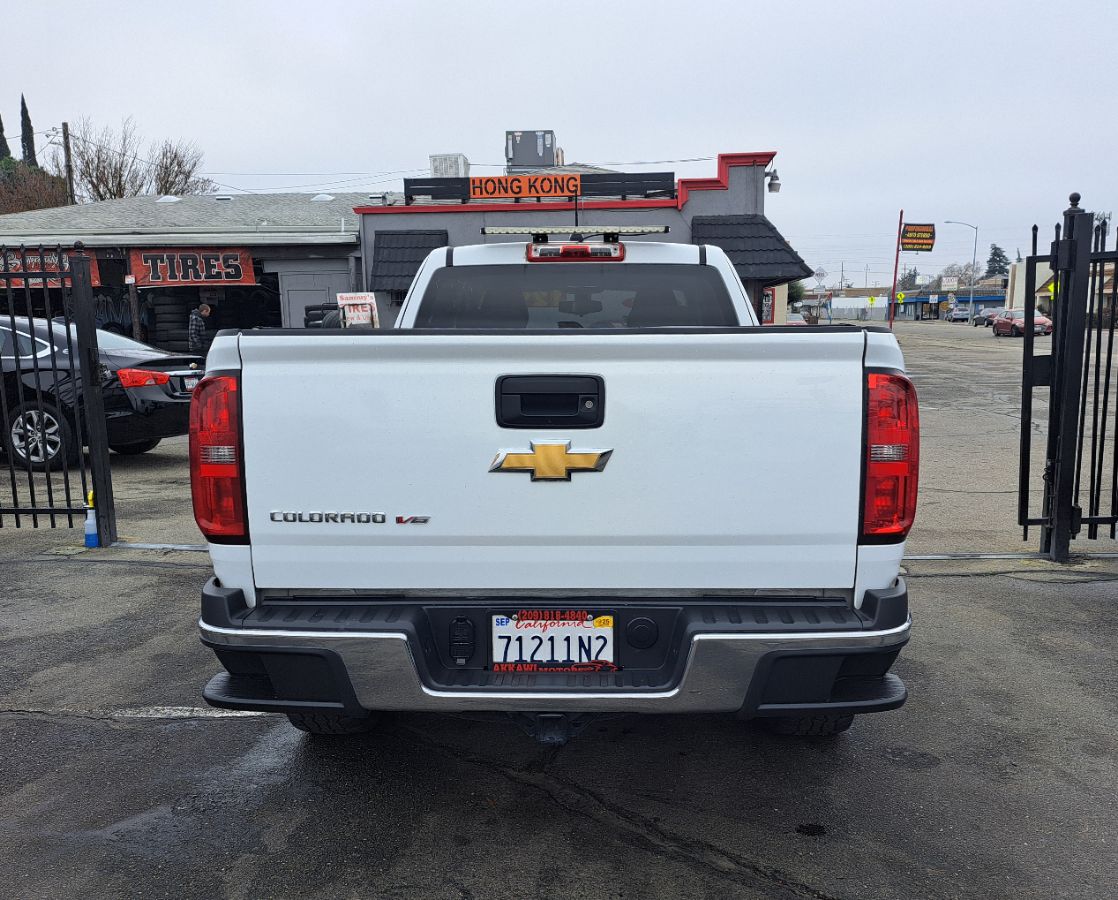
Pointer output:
820, 725
41, 437
324, 723
134, 449
1016, 332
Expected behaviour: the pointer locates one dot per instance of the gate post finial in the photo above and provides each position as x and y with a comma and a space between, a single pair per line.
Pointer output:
1074, 199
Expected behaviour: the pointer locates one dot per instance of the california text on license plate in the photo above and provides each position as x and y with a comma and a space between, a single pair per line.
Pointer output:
553, 640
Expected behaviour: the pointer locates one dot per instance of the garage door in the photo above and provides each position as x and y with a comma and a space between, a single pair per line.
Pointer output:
301, 290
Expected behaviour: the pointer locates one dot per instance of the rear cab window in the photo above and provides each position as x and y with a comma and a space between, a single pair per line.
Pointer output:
576, 296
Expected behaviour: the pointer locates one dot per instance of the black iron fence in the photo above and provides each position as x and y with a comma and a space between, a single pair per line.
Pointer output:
51, 406
1080, 464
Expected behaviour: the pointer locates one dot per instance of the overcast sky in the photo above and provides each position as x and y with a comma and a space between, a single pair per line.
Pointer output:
977, 111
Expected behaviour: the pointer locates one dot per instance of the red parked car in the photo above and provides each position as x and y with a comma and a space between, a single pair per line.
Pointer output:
1012, 322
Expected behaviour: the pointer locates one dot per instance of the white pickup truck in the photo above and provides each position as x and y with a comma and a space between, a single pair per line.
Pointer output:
576, 478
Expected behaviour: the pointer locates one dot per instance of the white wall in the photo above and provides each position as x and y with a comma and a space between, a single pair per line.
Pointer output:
1015, 293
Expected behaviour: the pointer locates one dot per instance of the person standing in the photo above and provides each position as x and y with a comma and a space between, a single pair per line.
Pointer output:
196, 329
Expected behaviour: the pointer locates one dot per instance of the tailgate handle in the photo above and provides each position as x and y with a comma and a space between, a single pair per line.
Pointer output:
550, 401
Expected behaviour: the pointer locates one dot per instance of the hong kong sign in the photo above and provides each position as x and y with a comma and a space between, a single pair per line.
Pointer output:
505, 186
198, 265
921, 238
46, 261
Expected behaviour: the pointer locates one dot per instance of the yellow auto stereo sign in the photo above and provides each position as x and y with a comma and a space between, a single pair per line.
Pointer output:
503, 187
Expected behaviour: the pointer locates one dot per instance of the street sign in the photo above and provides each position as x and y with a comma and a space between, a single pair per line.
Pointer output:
918, 238
873, 300
900, 297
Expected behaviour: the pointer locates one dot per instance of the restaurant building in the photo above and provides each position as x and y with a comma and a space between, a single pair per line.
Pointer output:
726, 210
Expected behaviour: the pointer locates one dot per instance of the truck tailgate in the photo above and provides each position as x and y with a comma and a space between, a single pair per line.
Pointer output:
735, 464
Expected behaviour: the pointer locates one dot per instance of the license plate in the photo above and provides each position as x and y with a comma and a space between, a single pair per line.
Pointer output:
189, 384
553, 640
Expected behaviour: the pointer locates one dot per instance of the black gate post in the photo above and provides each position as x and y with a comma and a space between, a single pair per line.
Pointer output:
1071, 256
85, 323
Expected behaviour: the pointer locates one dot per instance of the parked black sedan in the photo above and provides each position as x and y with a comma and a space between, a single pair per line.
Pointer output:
146, 392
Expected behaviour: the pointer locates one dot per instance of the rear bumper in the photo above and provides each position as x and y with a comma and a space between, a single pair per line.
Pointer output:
302, 660
164, 420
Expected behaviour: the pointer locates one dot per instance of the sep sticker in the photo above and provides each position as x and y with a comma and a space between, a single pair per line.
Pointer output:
603, 622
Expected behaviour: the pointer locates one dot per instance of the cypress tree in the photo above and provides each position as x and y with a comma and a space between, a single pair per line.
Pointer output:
5, 150
27, 137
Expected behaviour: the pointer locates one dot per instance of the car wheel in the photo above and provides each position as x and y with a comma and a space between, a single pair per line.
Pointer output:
135, 449
324, 723
820, 725
40, 437
1015, 331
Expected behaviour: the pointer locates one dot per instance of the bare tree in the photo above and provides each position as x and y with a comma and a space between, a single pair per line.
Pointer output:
174, 169
109, 164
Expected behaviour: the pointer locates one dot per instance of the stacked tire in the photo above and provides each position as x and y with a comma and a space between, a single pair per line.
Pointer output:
169, 319
313, 315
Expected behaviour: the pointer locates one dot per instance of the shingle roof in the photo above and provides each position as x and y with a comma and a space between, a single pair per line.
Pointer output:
755, 247
248, 214
397, 255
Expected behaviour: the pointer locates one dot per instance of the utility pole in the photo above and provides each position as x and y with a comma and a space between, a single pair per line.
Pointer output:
867, 274
69, 163
842, 276
896, 262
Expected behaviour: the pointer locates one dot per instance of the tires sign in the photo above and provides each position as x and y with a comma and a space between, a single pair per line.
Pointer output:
175, 267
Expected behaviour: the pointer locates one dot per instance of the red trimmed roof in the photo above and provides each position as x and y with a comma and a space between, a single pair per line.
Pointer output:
721, 182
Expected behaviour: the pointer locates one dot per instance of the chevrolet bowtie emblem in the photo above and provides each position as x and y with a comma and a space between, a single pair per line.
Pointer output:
552, 461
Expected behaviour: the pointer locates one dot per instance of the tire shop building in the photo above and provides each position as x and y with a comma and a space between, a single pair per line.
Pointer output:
727, 210
258, 259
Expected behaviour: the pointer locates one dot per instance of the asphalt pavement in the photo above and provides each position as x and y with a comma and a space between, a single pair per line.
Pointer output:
997, 779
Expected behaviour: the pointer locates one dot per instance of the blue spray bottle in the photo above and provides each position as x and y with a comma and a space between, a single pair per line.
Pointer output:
90, 523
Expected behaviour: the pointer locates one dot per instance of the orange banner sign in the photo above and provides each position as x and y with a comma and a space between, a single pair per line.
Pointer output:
31, 261
497, 187
176, 267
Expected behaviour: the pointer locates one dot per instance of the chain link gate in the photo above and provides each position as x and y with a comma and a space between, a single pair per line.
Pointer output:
1080, 472
51, 404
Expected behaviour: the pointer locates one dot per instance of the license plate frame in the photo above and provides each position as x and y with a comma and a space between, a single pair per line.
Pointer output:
190, 382
552, 637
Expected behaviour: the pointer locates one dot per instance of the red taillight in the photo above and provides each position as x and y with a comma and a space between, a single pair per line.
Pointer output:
607, 252
216, 464
892, 456
134, 378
